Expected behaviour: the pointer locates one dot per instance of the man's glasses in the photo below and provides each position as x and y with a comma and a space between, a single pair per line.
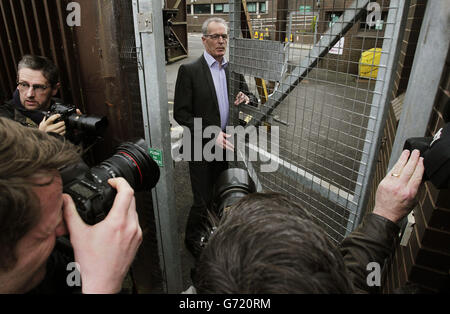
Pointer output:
38, 88
216, 36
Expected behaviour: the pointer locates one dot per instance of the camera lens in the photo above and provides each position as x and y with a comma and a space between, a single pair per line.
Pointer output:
88, 123
132, 162
231, 186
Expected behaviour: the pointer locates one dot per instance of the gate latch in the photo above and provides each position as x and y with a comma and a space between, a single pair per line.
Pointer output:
145, 22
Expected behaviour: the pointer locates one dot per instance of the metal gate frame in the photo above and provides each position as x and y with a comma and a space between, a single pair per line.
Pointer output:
149, 33
398, 11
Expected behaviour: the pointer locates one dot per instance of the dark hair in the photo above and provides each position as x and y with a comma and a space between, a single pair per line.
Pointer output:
43, 64
267, 243
25, 153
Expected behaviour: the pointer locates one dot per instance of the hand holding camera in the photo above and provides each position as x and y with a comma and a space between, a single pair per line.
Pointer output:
103, 267
100, 213
53, 124
68, 120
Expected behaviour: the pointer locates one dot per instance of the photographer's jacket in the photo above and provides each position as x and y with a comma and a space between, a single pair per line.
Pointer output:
14, 110
372, 241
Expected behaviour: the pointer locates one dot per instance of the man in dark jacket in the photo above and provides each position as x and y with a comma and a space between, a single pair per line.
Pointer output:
269, 244
202, 92
37, 83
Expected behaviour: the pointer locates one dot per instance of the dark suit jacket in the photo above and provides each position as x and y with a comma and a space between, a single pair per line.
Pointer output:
195, 95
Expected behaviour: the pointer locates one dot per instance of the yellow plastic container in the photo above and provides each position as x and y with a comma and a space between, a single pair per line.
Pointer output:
369, 62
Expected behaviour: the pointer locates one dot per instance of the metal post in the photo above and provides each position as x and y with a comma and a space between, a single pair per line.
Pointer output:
426, 73
396, 22
149, 33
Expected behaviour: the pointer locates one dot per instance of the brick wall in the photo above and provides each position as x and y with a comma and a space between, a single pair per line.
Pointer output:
423, 263
425, 259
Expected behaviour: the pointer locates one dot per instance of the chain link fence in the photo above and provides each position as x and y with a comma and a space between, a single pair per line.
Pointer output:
321, 70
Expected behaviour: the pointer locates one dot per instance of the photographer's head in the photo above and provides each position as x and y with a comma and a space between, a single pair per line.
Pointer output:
37, 82
269, 244
31, 201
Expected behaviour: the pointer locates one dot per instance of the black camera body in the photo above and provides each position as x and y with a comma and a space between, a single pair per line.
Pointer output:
89, 188
92, 197
63, 110
436, 153
89, 124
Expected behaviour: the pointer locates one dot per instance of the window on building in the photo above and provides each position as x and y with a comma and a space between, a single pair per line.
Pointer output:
221, 8
251, 7
202, 9
262, 7
188, 9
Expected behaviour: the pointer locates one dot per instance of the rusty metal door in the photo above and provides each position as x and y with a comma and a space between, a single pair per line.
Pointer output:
98, 63
38, 27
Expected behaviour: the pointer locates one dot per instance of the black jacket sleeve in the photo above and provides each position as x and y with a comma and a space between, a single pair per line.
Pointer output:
372, 241
183, 103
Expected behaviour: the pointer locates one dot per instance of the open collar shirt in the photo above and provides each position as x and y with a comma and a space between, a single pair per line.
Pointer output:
220, 83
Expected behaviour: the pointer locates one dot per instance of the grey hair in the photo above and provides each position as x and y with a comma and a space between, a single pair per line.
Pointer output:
43, 64
211, 20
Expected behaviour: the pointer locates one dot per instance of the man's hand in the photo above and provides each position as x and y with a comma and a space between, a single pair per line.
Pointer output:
106, 250
396, 193
240, 98
222, 141
49, 125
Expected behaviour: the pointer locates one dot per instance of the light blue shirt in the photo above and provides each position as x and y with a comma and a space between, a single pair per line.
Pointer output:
220, 84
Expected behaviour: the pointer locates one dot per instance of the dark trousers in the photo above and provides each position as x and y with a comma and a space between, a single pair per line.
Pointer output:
203, 177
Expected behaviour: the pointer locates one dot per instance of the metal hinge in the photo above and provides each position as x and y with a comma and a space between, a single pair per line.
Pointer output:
145, 22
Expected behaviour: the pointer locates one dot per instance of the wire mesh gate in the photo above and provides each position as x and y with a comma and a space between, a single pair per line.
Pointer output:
322, 70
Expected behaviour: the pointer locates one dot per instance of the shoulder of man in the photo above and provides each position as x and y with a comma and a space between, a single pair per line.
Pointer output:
7, 109
194, 64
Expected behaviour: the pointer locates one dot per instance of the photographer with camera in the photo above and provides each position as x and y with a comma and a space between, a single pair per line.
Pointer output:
34, 213
267, 243
37, 84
